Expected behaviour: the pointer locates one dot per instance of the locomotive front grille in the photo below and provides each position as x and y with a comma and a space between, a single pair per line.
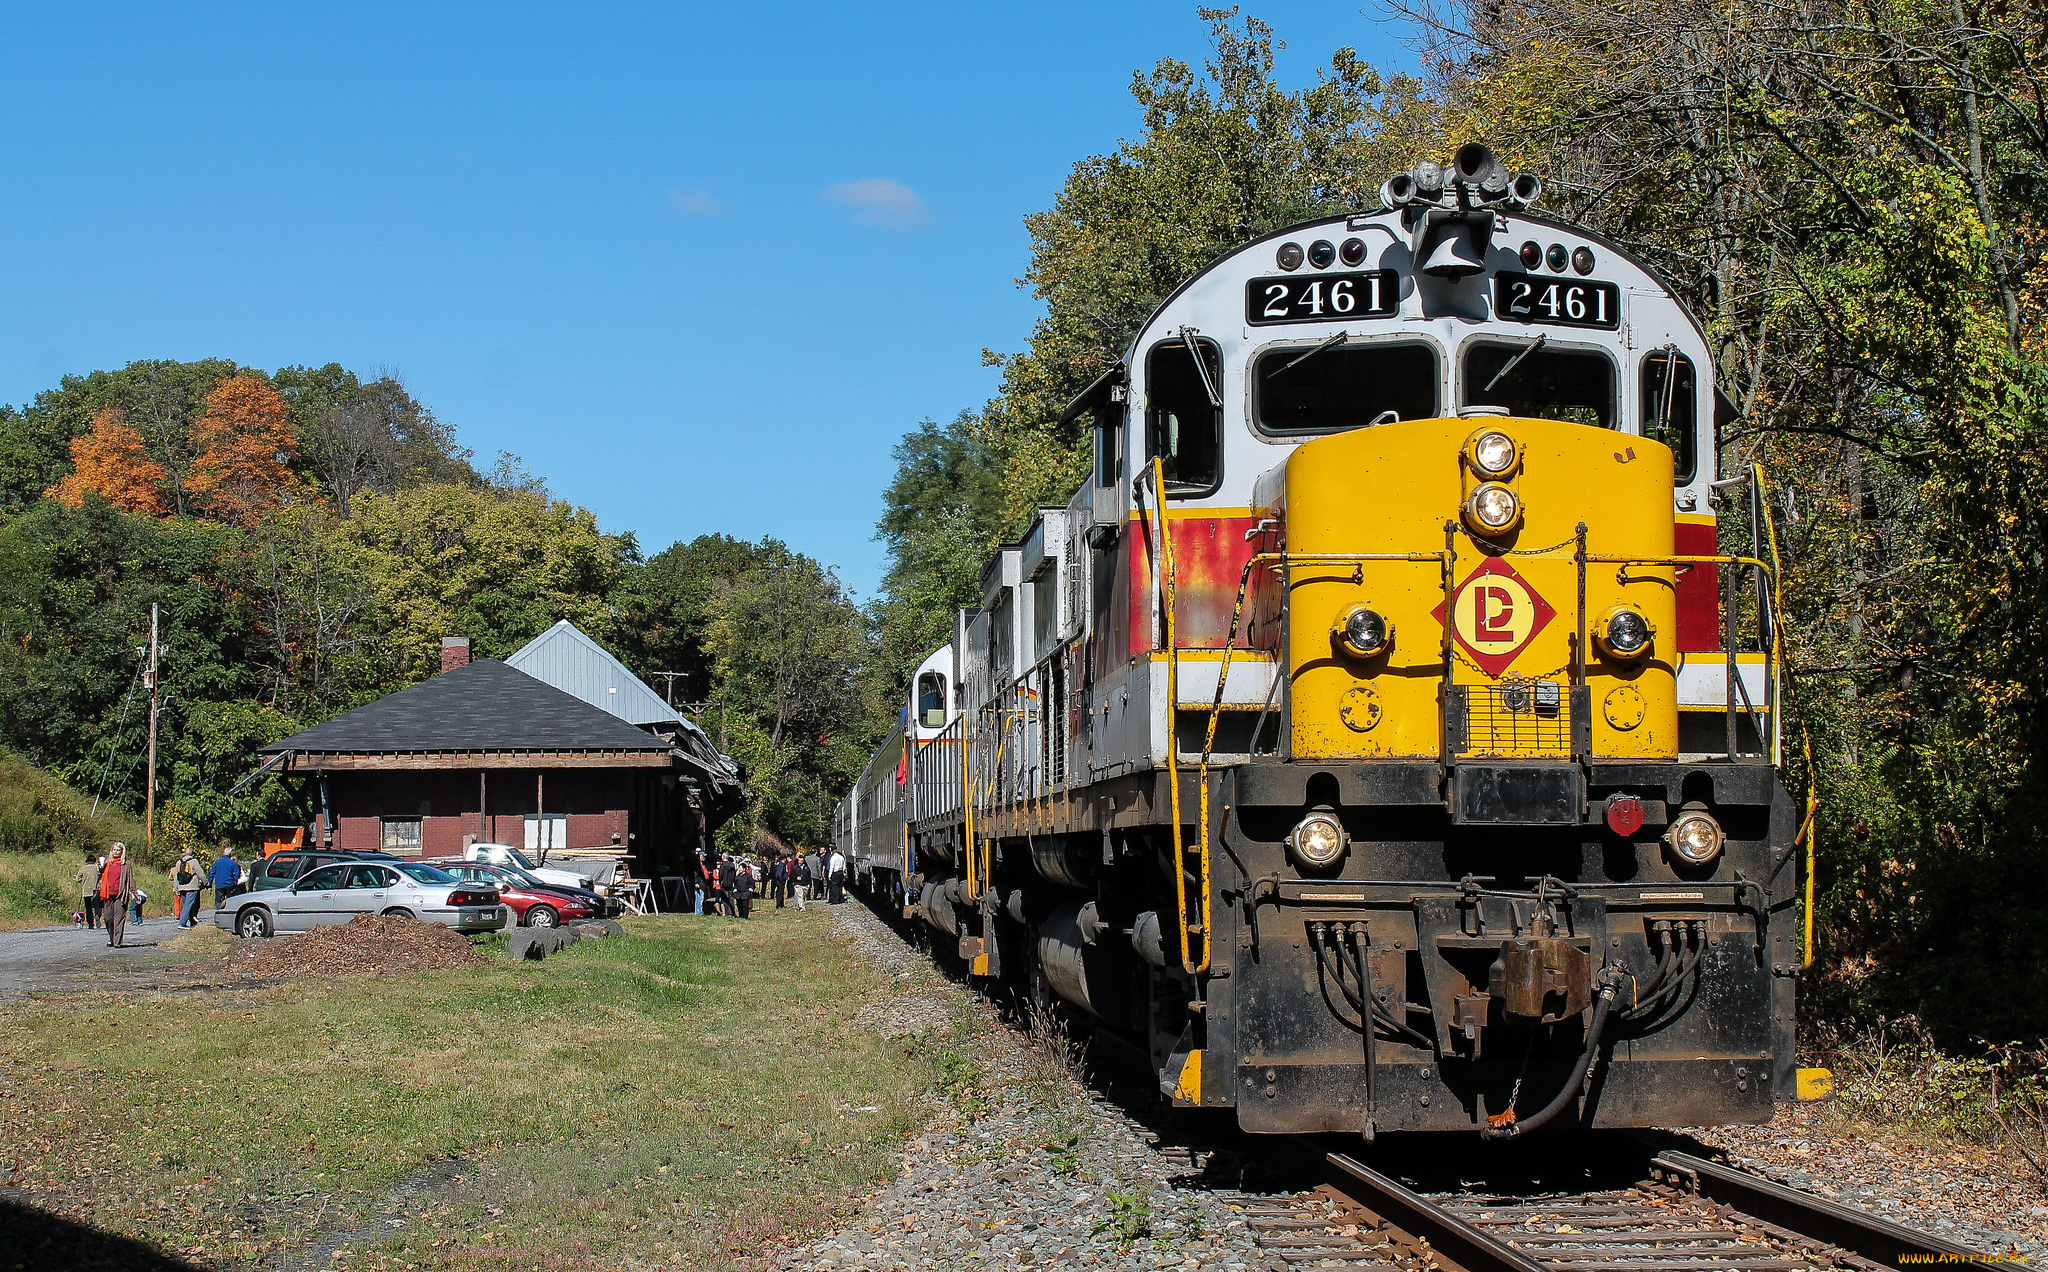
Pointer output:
1514, 717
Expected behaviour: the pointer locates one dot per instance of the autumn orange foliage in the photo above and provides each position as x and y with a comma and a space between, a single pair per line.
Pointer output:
245, 441
110, 461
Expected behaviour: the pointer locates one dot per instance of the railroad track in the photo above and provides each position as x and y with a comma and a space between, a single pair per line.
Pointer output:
1686, 1215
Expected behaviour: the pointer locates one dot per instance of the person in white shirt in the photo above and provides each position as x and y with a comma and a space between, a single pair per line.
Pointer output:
835, 877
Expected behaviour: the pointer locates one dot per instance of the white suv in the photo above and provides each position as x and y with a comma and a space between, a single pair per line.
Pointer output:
507, 855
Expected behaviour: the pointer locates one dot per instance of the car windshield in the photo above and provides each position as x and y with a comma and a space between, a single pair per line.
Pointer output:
325, 877
429, 874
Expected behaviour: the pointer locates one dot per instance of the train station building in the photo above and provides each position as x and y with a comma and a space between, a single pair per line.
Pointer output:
557, 748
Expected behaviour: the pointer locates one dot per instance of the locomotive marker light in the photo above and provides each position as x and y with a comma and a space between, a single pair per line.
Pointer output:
1362, 632
1492, 510
1624, 814
1493, 454
1318, 840
1695, 837
1623, 632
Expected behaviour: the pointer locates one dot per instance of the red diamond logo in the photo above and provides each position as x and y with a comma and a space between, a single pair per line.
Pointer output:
1495, 614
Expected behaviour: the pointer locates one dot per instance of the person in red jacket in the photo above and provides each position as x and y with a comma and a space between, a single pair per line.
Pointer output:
117, 884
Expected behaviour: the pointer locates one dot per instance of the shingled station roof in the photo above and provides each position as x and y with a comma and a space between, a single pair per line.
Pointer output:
484, 706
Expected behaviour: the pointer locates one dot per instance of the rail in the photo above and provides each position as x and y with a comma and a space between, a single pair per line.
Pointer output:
1743, 1212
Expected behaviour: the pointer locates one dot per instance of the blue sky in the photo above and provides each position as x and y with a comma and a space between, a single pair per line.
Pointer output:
698, 265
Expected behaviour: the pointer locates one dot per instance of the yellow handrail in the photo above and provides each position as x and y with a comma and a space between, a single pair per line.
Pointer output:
1180, 885
1806, 824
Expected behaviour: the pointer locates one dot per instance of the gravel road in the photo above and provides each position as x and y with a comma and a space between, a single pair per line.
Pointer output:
39, 960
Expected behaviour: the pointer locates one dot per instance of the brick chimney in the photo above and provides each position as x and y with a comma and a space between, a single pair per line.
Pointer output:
454, 652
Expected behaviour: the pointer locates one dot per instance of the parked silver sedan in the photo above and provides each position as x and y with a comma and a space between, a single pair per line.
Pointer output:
335, 894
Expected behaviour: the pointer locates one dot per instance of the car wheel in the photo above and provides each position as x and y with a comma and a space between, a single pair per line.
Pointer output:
542, 916
252, 922
399, 912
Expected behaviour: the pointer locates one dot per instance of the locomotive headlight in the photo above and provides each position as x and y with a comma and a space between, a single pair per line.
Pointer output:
1492, 509
1623, 632
1493, 454
1318, 840
1695, 837
1363, 632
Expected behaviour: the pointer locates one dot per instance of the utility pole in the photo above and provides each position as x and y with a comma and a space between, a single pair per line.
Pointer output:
149, 787
669, 686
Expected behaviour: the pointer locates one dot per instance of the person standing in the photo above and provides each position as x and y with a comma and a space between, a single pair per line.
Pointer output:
187, 878
227, 877
778, 880
89, 887
835, 877
702, 880
117, 880
743, 890
814, 875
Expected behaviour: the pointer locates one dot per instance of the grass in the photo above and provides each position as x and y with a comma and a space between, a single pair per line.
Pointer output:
41, 888
688, 1095
45, 827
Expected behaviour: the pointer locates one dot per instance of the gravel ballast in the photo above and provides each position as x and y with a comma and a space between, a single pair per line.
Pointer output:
1026, 1172
1022, 1168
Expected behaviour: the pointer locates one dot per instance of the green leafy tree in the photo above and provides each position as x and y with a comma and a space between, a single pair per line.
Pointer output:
788, 645
500, 569
664, 609
1224, 156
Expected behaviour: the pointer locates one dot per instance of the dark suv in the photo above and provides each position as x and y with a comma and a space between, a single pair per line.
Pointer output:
281, 869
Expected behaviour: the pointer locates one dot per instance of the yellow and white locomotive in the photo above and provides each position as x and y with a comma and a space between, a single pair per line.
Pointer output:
1379, 738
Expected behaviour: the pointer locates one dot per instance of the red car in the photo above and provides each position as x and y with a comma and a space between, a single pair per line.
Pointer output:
535, 904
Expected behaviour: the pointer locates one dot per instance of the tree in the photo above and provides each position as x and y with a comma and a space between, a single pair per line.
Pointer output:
111, 463
465, 561
788, 645
1850, 195
1223, 158
371, 436
244, 444
664, 609
942, 513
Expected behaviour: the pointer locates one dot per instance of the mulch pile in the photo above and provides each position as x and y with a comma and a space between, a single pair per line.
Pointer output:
366, 943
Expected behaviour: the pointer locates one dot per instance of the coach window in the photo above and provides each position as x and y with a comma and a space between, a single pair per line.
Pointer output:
931, 700
1671, 408
1536, 379
1331, 387
1183, 420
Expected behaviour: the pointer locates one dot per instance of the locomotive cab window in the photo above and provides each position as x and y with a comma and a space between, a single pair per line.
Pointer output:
1332, 387
1535, 378
931, 700
1671, 408
1184, 424
1108, 420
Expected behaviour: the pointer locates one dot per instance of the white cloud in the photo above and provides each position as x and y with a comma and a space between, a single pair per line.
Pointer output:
696, 202
880, 201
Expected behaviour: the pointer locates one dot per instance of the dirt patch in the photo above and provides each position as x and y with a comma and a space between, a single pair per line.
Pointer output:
378, 943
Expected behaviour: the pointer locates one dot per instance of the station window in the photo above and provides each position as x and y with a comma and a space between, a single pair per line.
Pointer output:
401, 836
1185, 426
1298, 389
931, 700
1548, 383
1671, 408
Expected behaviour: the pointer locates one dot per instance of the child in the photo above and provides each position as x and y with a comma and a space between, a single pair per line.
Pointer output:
135, 910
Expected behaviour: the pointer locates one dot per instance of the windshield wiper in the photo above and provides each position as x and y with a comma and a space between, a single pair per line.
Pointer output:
1192, 339
1332, 342
1516, 361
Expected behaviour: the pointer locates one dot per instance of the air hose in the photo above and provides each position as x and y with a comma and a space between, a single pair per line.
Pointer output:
1581, 1078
